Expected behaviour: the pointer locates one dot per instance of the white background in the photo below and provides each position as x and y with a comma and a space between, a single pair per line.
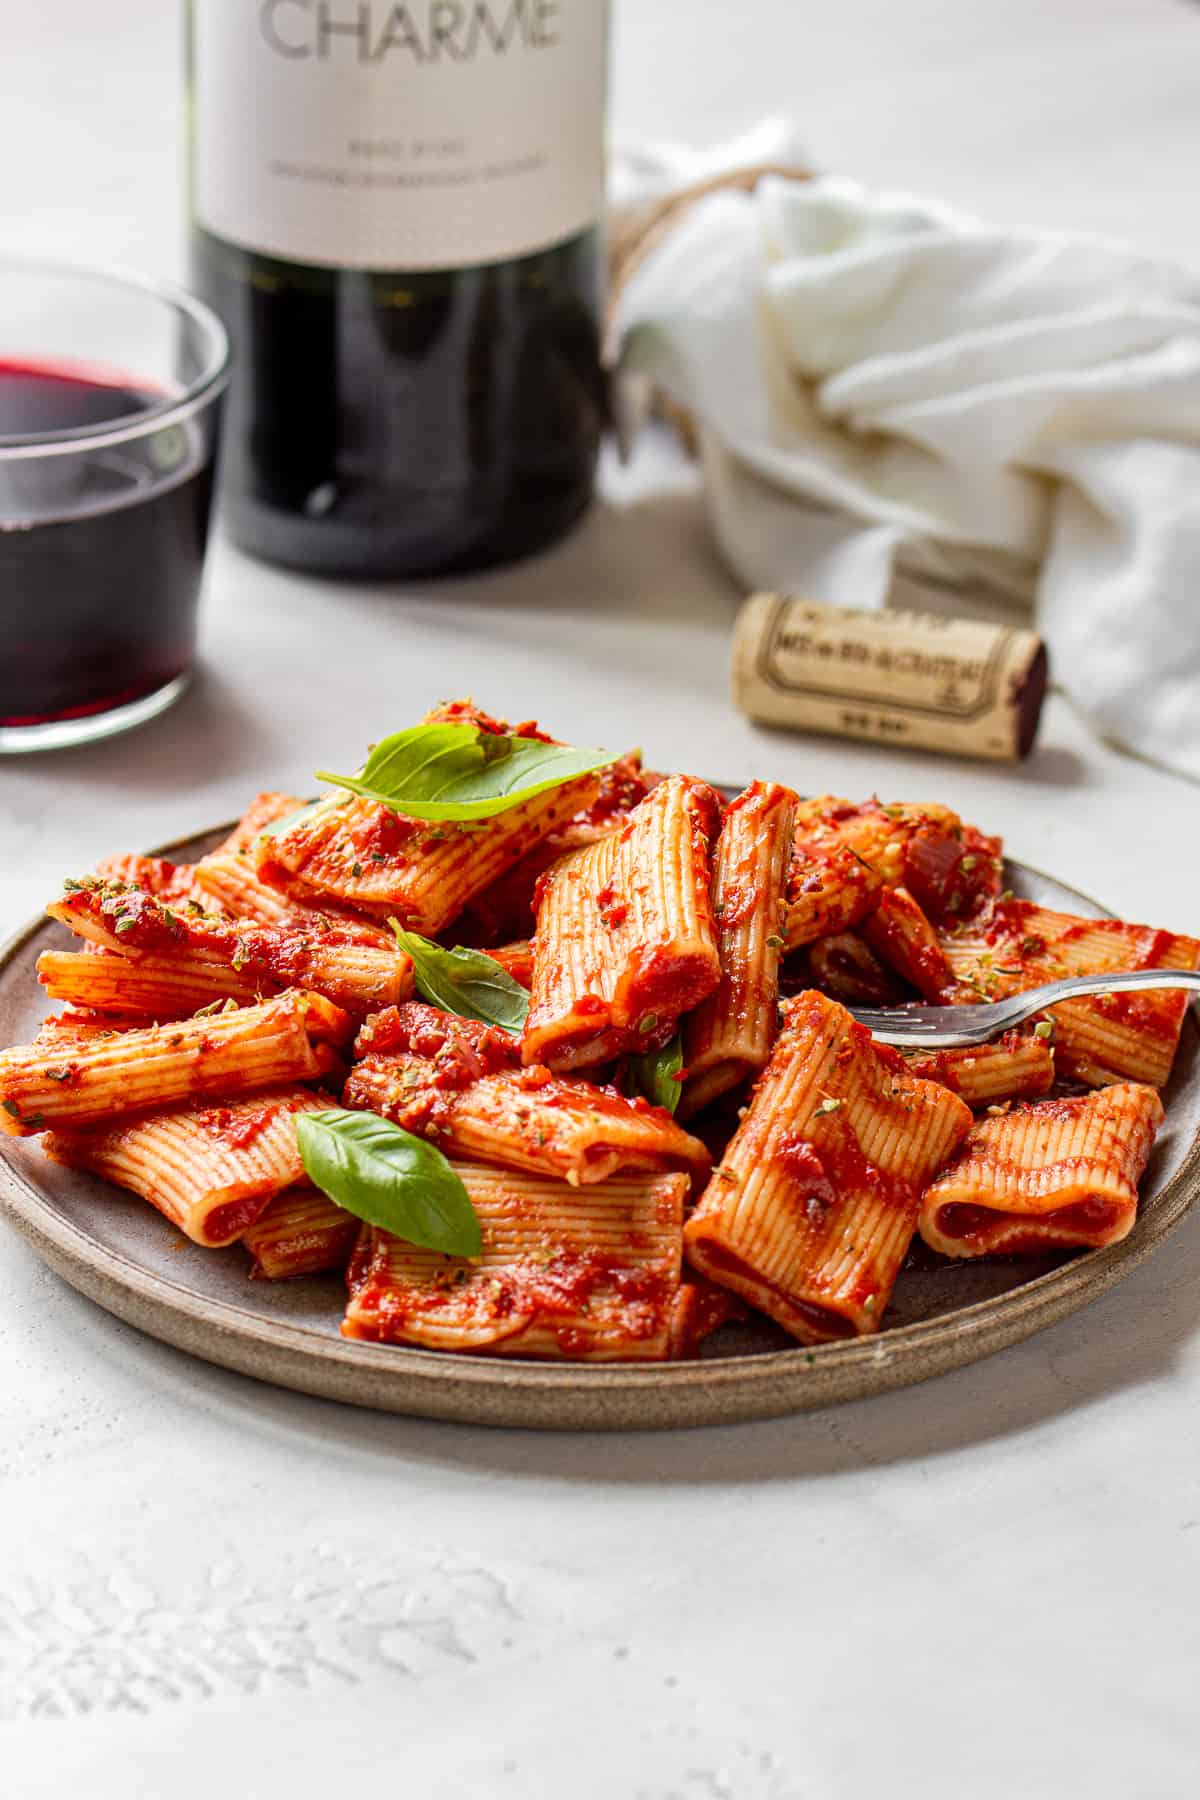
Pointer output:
983, 1587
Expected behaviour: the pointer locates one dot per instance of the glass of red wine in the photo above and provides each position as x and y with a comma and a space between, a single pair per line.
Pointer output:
110, 400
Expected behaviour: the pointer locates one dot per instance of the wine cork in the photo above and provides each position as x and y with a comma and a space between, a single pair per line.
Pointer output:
917, 680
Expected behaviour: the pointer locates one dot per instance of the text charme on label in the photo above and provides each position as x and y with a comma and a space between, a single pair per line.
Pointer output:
441, 30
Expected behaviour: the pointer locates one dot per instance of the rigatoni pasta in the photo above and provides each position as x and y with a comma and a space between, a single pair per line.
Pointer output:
811, 1210
174, 883
300, 1232
385, 863
729, 1035
1114, 1037
898, 931
1016, 1066
625, 939
141, 989
505, 908
1061, 1174
233, 959
587, 1274
648, 1109
846, 854
463, 1084
517, 958
227, 1054
264, 810
361, 855
700, 1308
210, 1169
227, 882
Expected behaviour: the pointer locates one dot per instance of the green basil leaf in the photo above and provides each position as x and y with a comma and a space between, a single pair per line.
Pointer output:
654, 1074
459, 772
385, 1175
466, 982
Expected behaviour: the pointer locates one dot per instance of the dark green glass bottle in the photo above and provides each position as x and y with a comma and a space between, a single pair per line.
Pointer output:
395, 211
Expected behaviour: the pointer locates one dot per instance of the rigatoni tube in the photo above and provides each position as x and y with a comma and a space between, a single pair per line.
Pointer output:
209, 1168
1050, 1175
461, 1084
812, 1208
227, 1054
301, 1232
729, 1036
625, 937
588, 1274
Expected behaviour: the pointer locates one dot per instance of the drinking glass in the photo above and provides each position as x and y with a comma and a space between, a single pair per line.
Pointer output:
110, 402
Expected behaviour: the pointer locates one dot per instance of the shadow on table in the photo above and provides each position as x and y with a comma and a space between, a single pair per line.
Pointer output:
210, 731
1128, 1339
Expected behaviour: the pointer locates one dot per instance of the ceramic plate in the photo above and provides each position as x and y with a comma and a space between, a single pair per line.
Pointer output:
121, 1254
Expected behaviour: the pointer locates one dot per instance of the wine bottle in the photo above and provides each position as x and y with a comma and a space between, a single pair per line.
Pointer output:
395, 211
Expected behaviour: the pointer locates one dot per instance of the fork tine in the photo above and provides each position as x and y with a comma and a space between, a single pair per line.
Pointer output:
875, 1021
919, 1027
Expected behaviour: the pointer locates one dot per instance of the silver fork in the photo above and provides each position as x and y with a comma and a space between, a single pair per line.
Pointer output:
957, 1027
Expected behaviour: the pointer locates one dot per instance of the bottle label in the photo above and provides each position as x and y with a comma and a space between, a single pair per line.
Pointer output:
433, 135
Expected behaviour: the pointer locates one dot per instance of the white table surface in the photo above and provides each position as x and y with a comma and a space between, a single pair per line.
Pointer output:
985, 1586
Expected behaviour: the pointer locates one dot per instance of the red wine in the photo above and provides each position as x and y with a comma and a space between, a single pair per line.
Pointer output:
395, 215
101, 550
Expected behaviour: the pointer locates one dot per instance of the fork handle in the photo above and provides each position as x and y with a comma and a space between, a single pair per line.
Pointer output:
1120, 982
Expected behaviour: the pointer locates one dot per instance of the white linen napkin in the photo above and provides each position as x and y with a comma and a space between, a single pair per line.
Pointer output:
887, 392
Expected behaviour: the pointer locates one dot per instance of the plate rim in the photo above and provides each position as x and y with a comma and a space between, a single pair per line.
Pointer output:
487, 1390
